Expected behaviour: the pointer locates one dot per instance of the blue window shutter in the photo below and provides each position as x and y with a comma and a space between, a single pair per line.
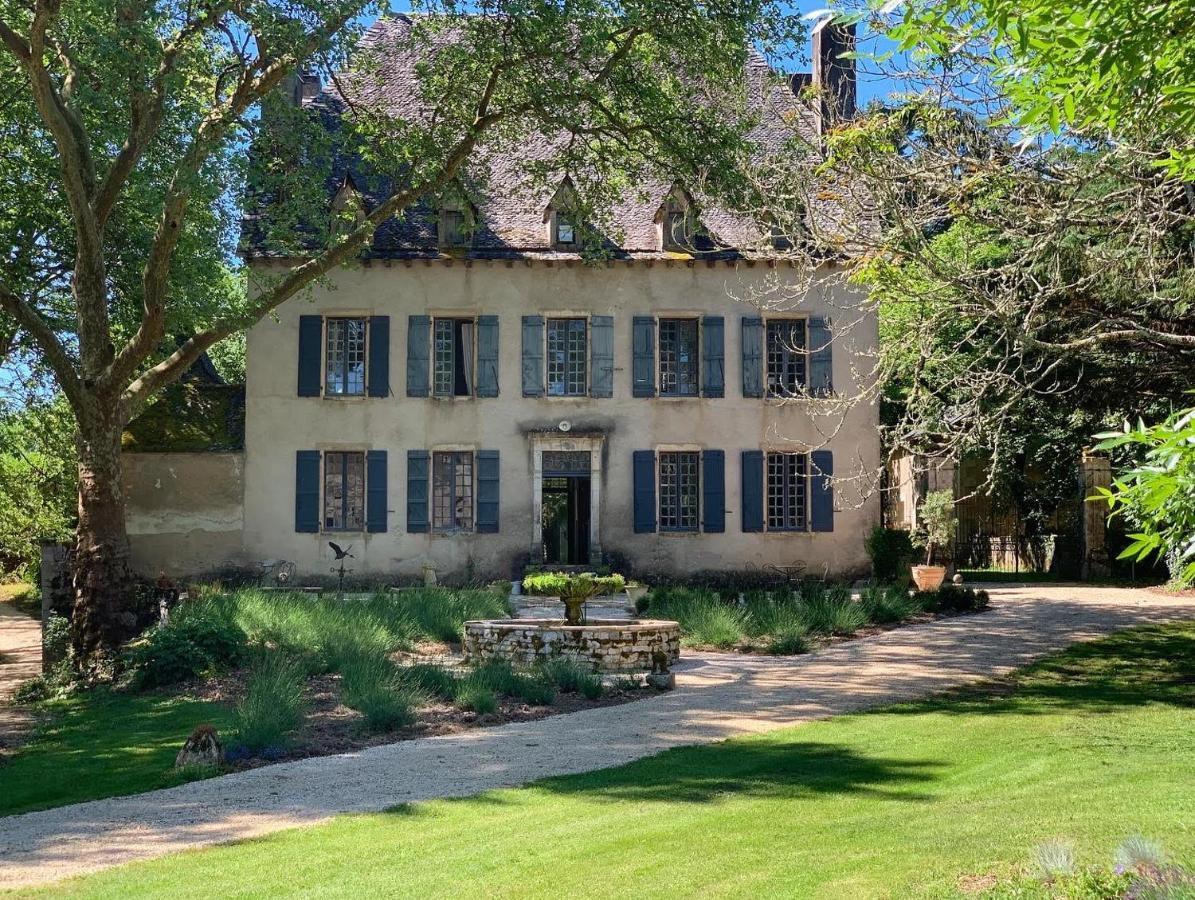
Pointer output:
752, 498
821, 491
644, 464
307, 491
713, 491
376, 494
713, 357
487, 356
419, 330
533, 356
643, 359
311, 339
601, 356
487, 491
379, 356
418, 475
752, 356
821, 357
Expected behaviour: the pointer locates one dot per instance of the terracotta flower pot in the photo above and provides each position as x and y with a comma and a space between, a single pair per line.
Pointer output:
928, 578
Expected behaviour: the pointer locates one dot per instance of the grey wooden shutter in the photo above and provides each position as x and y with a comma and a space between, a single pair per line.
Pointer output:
643, 359
307, 491
487, 491
752, 356
419, 330
533, 356
644, 466
487, 356
311, 340
821, 491
376, 495
752, 496
821, 357
601, 356
418, 474
713, 491
713, 357
379, 356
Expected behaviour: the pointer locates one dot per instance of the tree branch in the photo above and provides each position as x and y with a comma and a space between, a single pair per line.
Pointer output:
29, 319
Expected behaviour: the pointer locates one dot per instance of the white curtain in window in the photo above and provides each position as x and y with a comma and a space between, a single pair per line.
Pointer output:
467, 355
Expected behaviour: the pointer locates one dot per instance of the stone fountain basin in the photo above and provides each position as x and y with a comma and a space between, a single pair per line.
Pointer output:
601, 645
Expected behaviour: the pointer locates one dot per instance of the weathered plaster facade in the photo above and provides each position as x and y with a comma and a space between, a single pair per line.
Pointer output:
279, 423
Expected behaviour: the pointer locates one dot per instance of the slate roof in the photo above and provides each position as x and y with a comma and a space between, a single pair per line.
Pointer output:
510, 207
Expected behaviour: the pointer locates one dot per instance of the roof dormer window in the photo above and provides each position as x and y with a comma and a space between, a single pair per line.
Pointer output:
560, 216
454, 228
566, 232
676, 220
348, 209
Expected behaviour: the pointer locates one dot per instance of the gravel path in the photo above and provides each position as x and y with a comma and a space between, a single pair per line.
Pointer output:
20, 659
718, 696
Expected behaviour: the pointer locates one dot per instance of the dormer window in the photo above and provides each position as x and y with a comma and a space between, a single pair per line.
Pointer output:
676, 221
566, 233
676, 231
348, 209
454, 230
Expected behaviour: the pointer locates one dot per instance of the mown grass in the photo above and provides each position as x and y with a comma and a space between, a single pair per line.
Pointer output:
102, 744
1090, 746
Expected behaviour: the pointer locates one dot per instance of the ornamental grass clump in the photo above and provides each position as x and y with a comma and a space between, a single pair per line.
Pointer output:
569, 677
500, 677
273, 705
433, 682
831, 610
888, 605
371, 684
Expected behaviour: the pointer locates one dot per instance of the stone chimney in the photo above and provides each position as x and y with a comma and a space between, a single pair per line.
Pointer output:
833, 77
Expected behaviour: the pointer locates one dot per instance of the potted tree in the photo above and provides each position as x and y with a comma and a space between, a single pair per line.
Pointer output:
937, 529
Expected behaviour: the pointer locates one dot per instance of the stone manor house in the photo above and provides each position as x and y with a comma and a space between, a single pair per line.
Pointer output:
473, 396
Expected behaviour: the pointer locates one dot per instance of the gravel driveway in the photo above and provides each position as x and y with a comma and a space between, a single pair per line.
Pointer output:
717, 696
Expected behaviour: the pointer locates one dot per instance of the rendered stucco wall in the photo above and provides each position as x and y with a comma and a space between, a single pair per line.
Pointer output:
279, 423
184, 511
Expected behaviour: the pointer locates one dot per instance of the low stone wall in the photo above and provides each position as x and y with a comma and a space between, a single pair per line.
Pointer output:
602, 645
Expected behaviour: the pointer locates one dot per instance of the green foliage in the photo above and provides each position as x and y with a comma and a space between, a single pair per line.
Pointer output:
569, 677
429, 681
789, 639
888, 605
371, 684
1157, 496
938, 522
831, 611
1115, 66
478, 698
531, 687
891, 551
273, 705
567, 586
191, 643
37, 481
953, 598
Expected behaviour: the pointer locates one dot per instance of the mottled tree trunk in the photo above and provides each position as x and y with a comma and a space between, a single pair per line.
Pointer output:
103, 581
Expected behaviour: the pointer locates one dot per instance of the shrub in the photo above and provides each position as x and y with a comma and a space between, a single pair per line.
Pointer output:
938, 521
789, 640
558, 584
953, 598
184, 647
273, 705
886, 605
477, 697
429, 680
892, 553
371, 684
831, 611
570, 677
56, 639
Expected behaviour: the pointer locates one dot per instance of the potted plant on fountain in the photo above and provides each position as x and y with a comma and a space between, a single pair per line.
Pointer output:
576, 591
937, 529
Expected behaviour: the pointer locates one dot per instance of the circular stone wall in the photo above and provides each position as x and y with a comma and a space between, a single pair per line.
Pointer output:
602, 645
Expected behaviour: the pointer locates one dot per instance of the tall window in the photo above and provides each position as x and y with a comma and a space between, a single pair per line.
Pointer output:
453, 358
567, 366
344, 491
566, 232
788, 491
678, 358
453, 228
786, 357
345, 358
452, 491
678, 491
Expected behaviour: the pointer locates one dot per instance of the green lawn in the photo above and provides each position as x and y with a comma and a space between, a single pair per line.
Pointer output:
106, 745
1091, 746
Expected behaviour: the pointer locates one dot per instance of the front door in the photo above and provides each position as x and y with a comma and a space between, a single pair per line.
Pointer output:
566, 519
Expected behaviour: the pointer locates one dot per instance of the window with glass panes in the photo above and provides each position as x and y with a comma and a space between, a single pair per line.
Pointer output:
786, 357
452, 491
452, 358
678, 358
344, 491
679, 490
788, 491
567, 366
344, 360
